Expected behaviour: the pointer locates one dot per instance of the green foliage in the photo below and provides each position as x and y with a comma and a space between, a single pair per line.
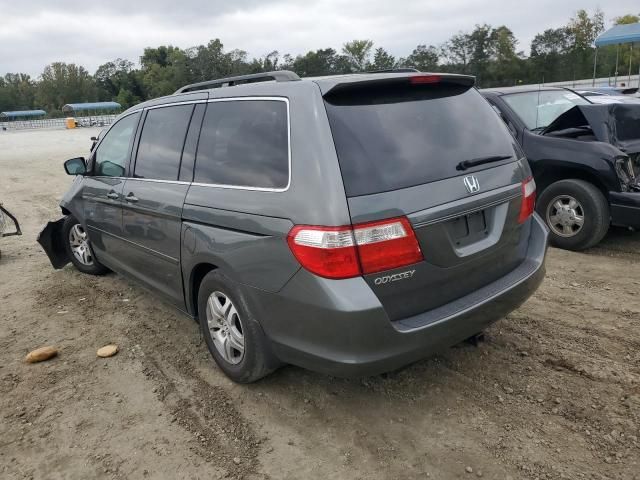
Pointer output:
626, 19
490, 53
382, 60
62, 83
357, 53
423, 58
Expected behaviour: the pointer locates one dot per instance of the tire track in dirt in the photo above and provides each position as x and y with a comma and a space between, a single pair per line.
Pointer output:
207, 412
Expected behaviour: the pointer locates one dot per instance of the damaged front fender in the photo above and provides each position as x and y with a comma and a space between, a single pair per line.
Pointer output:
50, 238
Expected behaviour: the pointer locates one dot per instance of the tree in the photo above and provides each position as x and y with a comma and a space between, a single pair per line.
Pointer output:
358, 53
506, 65
62, 83
119, 81
17, 92
164, 70
584, 30
320, 62
208, 61
626, 19
458, 51
382, 60
549, 51
423, 58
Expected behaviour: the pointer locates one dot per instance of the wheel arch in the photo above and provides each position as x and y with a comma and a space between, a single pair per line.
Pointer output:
198, 272
548, 176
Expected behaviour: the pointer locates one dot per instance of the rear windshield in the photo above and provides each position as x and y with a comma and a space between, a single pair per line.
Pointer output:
391, 139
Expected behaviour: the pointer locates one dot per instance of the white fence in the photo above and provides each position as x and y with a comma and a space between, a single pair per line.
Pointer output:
586, 83
92, 121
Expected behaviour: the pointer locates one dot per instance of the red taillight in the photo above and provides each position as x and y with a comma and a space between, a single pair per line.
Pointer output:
345, 252
326, 251
528, 199
386, 244
422, 79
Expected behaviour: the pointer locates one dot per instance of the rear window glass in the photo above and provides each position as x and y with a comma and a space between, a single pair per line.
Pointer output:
161, 142
392, 139
244, 143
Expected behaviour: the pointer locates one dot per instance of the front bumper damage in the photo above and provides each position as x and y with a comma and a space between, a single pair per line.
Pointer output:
50, 238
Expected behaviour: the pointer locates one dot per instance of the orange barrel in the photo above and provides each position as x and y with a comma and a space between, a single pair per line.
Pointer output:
70, 122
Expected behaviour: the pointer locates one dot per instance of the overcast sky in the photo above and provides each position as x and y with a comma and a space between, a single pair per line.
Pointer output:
34, 33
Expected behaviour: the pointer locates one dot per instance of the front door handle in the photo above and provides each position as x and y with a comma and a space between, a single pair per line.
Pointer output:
131, 198
113, 195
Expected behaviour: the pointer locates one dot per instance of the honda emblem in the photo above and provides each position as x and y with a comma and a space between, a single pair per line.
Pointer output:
472, 184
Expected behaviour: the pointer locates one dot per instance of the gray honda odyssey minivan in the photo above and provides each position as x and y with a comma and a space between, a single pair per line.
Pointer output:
346, 224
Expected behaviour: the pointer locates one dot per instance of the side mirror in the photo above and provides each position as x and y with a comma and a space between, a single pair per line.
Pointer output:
75, 166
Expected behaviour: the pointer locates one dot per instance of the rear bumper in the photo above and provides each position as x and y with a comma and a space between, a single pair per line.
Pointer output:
625, 209
340, 327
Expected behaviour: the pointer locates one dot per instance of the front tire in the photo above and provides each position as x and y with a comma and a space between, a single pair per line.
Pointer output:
576, 212
233, 336
78, 248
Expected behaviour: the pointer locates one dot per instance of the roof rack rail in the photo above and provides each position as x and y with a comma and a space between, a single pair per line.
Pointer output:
394, 70
278, 76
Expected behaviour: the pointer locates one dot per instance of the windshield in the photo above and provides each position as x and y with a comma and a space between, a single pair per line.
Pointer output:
538, 109
388, 139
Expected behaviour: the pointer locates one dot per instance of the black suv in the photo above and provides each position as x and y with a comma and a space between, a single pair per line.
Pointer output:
347, 224
585, 159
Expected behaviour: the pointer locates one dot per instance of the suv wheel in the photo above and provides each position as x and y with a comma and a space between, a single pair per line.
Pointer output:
234, 338
576, 212
76, 242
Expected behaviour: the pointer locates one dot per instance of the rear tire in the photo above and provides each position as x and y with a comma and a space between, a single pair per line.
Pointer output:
233, 336
576, 212
78, 248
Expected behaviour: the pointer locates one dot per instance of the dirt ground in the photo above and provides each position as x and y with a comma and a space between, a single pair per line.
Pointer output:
554, 391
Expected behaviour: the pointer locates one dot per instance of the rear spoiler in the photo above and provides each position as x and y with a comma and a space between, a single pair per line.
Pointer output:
344, 84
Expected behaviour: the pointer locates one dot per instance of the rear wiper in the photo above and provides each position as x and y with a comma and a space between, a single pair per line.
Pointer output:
474, 162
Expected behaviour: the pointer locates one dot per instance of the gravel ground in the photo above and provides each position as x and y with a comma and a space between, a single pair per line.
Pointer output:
553, 392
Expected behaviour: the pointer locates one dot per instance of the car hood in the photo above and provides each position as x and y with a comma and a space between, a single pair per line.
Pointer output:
617, 124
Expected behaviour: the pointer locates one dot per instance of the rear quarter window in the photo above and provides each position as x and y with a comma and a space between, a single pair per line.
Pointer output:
388, 139
244, 143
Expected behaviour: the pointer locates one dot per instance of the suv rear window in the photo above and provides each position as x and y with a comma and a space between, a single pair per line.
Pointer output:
387, 139
244, 143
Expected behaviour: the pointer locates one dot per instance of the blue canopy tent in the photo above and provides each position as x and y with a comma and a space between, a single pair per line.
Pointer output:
72, 108
22, 114
618, 35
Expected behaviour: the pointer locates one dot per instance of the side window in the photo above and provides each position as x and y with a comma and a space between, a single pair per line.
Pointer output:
161, 141
244, 143
111, 156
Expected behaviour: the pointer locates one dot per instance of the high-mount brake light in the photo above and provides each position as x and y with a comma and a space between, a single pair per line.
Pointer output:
350, 251
528, 199
424, 79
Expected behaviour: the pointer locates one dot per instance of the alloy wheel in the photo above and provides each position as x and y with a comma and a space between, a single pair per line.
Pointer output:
79, 242
565, 216
225, 327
